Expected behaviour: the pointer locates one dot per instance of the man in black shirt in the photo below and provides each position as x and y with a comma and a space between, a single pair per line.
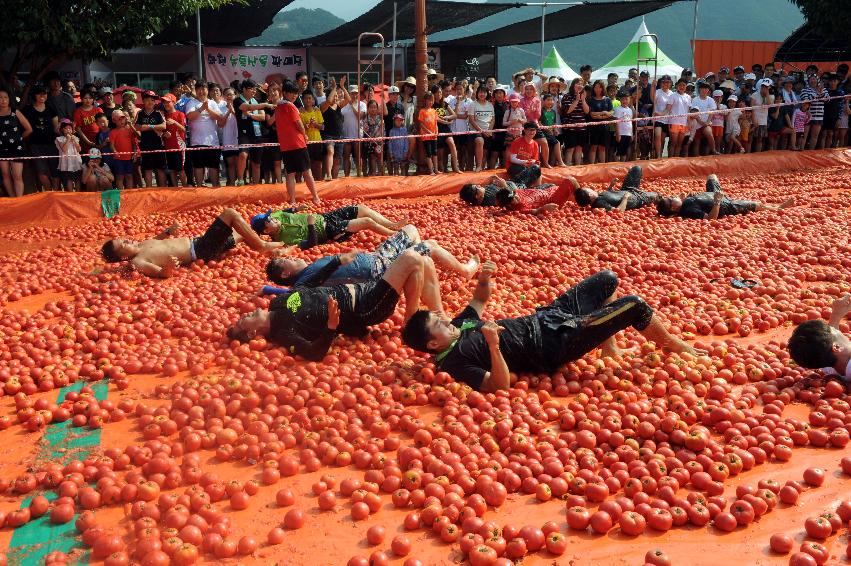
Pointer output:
150, 124
629, 197
306, 320
482, 354
712, 204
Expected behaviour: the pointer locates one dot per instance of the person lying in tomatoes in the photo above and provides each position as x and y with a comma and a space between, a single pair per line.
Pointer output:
482, 354
712, 204
366, 266
306, 320
309, 230
537, 201
160, 256
816, 344
629, 197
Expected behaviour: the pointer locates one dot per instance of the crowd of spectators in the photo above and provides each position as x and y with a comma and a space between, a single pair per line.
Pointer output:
199, 132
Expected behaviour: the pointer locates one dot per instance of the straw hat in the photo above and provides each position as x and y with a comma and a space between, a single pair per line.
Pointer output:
409, 81
562, 86
728, 84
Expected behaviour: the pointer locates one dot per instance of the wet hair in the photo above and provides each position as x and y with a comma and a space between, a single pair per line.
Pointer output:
238, 334
583, 197
663, 207
108, 252
468, 194
811, 345
273, 272
416, 334
504, 197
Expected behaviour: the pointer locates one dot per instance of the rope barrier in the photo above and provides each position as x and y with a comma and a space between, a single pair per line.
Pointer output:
368, 139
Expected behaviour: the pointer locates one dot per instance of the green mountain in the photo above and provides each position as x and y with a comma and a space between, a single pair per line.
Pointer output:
296, 24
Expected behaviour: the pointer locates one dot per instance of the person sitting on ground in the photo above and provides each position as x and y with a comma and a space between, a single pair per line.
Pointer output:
366, 266
306, 320
96, 173
537, 201
816, 344
482, 354
712, 204
485, 195
160, 256
629, 197
309, 230
523, 163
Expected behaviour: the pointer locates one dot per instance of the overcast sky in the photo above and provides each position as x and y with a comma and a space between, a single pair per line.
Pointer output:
346, 9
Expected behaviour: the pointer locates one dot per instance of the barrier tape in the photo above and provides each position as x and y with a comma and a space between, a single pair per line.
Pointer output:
368, 139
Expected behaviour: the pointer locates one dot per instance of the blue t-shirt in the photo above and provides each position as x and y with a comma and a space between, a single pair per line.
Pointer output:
363, 268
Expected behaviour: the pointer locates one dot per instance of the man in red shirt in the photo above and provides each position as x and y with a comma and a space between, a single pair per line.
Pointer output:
523, 163
293, 141
175, 141
537, 201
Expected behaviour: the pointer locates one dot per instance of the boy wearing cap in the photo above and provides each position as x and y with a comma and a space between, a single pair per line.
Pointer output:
398, 146
309, 230
96, 174
175, 141
150, 126
160, 256
759, 100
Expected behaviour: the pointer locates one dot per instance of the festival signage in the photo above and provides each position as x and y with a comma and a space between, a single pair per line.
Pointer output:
225, 64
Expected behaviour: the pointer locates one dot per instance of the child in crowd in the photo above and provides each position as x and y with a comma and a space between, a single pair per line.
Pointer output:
732, 126
400, 149
314, 124
745, 124
373, 127
70, 162
428, 128
716, 119
549, 117
691, 142
623, 133
102, 142
800, 120
175, 141
513, 121
96, 175
122, 142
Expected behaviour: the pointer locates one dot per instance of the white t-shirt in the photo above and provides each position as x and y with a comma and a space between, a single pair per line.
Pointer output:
461, 107
733, 126
70, 161
718, 119
624, 113
482, 114
350, 119
681, 105
760, 115
204, 129
705, 105
661, 102
229, 134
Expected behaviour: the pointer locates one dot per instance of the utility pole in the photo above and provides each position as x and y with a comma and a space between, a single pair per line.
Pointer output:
421, 48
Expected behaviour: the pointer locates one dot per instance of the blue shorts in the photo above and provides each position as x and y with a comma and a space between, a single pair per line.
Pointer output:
122, 166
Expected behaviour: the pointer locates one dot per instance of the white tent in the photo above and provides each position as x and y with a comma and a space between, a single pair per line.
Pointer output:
554, 66
627, 59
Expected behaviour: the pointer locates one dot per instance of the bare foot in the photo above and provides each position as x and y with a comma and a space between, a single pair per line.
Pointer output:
398, 225
272, 247
610, 349
680, 347
317, 201
787, 203
471, 267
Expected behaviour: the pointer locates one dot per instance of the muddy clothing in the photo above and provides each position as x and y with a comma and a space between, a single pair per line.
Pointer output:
699, 206
636, 199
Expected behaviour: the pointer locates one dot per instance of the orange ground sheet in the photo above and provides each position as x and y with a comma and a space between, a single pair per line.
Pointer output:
74, 228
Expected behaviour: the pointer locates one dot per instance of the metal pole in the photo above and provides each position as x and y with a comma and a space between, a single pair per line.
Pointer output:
543, 19
694, 41
393, 62
420, 49
198, 41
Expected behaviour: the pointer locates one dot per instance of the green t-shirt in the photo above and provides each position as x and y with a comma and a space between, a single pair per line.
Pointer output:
548, 118
294, 227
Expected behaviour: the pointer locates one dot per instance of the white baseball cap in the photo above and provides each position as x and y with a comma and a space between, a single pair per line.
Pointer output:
750, 77
393, 90
765, 82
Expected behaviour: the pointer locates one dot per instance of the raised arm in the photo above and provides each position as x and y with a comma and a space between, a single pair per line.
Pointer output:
624, 201
483, 288
841, 307
498, 378
716, 205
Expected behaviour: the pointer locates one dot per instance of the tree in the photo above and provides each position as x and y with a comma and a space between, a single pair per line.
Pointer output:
44, 33
831, 18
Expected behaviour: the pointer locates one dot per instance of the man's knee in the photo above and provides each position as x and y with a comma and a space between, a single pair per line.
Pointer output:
410, 259
412, 233
607, 279
641, 313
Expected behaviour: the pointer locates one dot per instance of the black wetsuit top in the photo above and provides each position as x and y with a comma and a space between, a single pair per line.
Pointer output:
612, 199
699, 206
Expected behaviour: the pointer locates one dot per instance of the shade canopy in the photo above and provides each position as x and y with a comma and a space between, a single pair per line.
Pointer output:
554, 66
232, 24
439, 15
570, 22
644, 46
806, 44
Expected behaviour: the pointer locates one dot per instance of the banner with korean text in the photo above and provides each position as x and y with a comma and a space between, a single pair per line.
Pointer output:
262, 64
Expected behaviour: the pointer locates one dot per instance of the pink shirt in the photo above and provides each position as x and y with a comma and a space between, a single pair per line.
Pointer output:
799, 120
532, 108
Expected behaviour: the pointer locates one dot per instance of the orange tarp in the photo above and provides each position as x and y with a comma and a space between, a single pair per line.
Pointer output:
45, 208
712, 54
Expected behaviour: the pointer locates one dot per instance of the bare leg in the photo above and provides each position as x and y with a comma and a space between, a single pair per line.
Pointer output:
657, 332
214, 177
308, 180
235, 220
448, 261
431, 287
412, 233
291, 188
366, 212
359, 224
405, 275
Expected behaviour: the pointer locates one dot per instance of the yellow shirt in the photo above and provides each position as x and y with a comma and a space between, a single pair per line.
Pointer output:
313, 134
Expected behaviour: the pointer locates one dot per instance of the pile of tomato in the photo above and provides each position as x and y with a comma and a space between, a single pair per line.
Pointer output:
645, 443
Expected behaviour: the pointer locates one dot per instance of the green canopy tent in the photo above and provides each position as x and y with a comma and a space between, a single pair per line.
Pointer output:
641, 45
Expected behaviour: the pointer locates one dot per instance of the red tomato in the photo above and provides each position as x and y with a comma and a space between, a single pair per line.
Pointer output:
400, 545
781, 542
